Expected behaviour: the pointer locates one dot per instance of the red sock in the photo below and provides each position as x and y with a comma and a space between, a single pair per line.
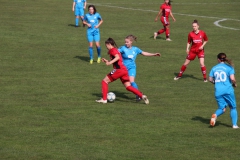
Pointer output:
167, 32
204, 72
134, 90
183, 68
161, 31
104, 90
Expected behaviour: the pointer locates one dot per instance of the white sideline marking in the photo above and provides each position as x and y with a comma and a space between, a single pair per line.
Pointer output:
215, 23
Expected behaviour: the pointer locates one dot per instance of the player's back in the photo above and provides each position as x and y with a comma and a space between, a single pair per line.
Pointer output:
221, 74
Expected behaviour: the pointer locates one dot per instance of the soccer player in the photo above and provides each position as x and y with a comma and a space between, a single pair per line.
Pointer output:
119, 71
78, 7
198, 39
129, 55
93, 20
164, 12
222, 76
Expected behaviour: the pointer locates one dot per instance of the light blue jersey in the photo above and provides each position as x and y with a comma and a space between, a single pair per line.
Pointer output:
93, 33
129, 55
221, 75
79, 4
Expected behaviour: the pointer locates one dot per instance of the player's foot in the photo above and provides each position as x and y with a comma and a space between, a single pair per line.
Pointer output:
99, 60
168, 39
76, 26
101, 101
205, 80
138, 98
144, 97
155, 35
91, 61
235, 127
176, 78
213, 120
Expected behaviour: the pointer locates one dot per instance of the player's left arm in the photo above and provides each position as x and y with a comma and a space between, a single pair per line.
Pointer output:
99, 24
234, 83
115, 59
73, 6
172, 16
85, 4
150, 54
205, 38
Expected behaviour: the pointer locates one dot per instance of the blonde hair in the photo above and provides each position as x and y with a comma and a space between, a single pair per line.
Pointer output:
131, 37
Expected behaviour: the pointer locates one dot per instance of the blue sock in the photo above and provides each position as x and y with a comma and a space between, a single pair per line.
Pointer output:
219, 112
99, 51
76, 21
90, 50
234, 116
134, 85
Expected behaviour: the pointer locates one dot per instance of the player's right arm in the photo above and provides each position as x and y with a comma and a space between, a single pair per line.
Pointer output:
158, 15
188, 43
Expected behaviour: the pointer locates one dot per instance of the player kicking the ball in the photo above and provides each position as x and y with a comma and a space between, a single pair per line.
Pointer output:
119, 71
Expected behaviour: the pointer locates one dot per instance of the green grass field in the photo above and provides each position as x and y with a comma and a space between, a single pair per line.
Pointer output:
48, 88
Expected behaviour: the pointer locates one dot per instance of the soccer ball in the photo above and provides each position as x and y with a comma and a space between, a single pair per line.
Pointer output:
111, 96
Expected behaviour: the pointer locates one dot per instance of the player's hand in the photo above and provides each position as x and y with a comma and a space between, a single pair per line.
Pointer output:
156, 19
157, 54
73, 9
108, 63
104, 60
89, 25
187, 51
201, 48
174, 20
234, 85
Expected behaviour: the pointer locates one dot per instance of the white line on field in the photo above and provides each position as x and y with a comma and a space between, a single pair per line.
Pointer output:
215, 23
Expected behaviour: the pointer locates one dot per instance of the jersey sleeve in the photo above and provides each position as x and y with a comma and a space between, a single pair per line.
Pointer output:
205, 38
232, 71
120, 50
138, 50
99, 17
113, 52
162, 6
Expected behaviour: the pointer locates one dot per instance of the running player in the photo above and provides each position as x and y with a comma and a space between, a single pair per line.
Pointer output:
198, 39
78, 7
222, 76
164, 12
93, 20
129, 55
119, 71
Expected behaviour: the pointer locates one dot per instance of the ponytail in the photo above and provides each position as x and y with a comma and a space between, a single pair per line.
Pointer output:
112, 42
223, 58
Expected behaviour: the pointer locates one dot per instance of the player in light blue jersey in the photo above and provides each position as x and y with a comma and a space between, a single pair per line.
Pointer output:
93, 20
222, 76
129, 55
78, 8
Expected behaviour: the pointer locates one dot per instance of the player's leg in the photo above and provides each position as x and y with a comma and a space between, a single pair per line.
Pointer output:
97, 40
90, 49
82, 16
161, 30
230, 99
203, 67
127, 84
184, 66
76, 17
221, 109
112, 76
132, 75
168, 33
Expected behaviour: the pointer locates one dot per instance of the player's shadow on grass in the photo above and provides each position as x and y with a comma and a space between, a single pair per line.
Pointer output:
83, 58
188, 76
71, 25
207, 121
119, 95
158, 37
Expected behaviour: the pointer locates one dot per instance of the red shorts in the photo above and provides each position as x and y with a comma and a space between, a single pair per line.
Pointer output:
119, 73
192, 55
165, 21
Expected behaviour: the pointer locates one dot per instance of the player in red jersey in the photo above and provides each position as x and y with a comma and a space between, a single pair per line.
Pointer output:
119, 71
164, 12
198, 39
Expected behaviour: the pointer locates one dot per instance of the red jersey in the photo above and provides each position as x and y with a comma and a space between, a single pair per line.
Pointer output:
197, 39
118, 64
166, 9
